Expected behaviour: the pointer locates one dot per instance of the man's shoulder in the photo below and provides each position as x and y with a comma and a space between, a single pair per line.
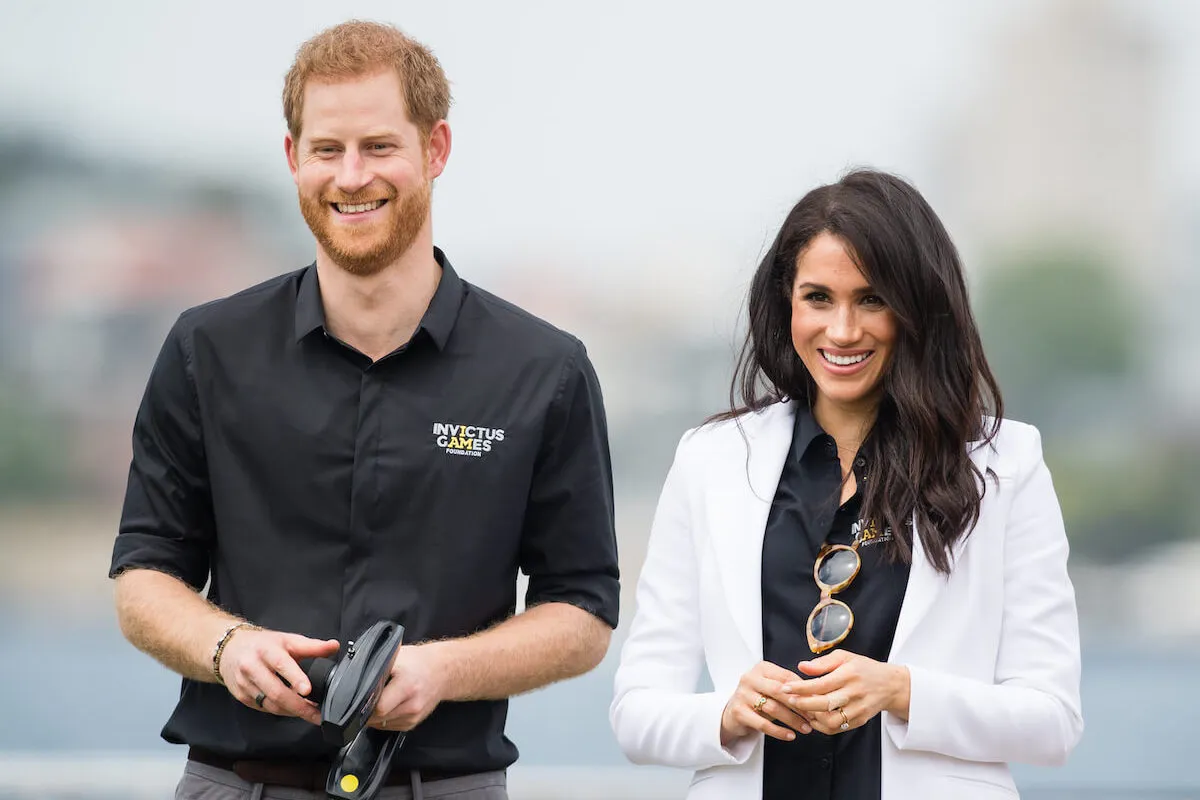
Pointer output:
252, 305
514, 325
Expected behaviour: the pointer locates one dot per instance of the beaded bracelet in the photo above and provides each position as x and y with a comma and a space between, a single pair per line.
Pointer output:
216, 659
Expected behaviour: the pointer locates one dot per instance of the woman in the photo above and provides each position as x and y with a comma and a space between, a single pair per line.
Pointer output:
869, 563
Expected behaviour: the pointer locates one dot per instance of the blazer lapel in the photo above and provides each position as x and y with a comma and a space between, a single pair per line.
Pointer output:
738, 510
924, 585
924, 582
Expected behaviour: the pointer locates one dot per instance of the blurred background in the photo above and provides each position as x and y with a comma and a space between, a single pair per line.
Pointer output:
618, 169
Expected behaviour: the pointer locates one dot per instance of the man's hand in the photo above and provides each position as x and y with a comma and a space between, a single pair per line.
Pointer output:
416, 685
259, 662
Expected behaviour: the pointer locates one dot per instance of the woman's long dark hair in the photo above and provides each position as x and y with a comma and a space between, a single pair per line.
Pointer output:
937, 390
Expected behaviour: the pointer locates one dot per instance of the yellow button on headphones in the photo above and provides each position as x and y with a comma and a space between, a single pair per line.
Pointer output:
349, 783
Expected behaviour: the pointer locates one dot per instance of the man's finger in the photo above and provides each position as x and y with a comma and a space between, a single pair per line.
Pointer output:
394, 695
244, 691
290, 673
283, 701
303, 647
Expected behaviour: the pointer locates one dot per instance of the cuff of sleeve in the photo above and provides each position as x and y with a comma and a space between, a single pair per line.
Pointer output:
712, 707
897, 729
594, 603
915, 734
147, 551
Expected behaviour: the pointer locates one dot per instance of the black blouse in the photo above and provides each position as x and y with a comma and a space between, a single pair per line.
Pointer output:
804, 515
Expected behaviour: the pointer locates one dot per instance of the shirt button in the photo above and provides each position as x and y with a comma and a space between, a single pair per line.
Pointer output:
860, 462
831, 448
826, 762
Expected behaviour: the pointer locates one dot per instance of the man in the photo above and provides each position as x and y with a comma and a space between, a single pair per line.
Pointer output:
367, 438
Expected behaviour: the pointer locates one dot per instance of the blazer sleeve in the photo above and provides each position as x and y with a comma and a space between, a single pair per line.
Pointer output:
657, 714
1031, 712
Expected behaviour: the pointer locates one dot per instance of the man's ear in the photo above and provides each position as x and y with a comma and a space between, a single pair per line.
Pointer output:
437, 153
289, 148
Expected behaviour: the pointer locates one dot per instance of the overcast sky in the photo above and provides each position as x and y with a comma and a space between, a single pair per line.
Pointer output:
621, 134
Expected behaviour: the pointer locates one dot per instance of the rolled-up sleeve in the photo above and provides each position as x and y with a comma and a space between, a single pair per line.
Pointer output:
166, 522
568, 543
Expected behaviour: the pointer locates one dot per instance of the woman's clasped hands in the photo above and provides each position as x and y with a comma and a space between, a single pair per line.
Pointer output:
831, 694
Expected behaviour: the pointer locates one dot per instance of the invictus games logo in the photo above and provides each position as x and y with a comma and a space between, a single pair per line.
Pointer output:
466, 440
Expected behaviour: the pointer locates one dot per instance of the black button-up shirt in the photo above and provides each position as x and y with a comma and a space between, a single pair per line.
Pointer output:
317, 492
804, 515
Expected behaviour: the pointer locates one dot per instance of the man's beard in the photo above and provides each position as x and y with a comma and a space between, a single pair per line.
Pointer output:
351, 249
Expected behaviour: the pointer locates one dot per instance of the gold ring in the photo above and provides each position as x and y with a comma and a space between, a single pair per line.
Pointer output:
845, 721
383, 723
759, 703
835, 701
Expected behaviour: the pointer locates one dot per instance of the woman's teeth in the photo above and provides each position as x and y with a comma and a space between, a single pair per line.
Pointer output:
844, 361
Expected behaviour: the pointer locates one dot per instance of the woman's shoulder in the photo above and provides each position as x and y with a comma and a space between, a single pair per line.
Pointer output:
739, 429
1012, 446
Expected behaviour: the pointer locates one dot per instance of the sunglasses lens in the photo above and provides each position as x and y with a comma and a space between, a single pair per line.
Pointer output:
831, 623
837, 567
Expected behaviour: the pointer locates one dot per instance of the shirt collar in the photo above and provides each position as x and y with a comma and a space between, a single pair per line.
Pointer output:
447, 301
808, 431
438, 320
310, 315
805, 432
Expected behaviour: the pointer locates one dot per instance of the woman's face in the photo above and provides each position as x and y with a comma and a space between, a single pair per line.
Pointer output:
841, 329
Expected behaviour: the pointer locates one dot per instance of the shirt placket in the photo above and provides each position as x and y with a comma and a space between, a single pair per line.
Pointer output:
364, 499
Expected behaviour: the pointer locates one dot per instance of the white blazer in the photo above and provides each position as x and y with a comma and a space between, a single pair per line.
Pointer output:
993, 650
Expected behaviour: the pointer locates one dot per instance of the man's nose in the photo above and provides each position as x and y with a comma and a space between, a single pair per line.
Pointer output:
352, 175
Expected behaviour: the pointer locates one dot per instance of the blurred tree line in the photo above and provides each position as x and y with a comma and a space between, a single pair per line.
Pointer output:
33, 457
41, 431
33, 462
1062, 332
1061, 328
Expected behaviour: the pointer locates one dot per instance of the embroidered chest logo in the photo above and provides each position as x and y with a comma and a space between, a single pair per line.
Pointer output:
466, 440
866, 533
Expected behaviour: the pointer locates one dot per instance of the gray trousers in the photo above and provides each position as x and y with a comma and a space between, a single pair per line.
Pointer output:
202, 782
